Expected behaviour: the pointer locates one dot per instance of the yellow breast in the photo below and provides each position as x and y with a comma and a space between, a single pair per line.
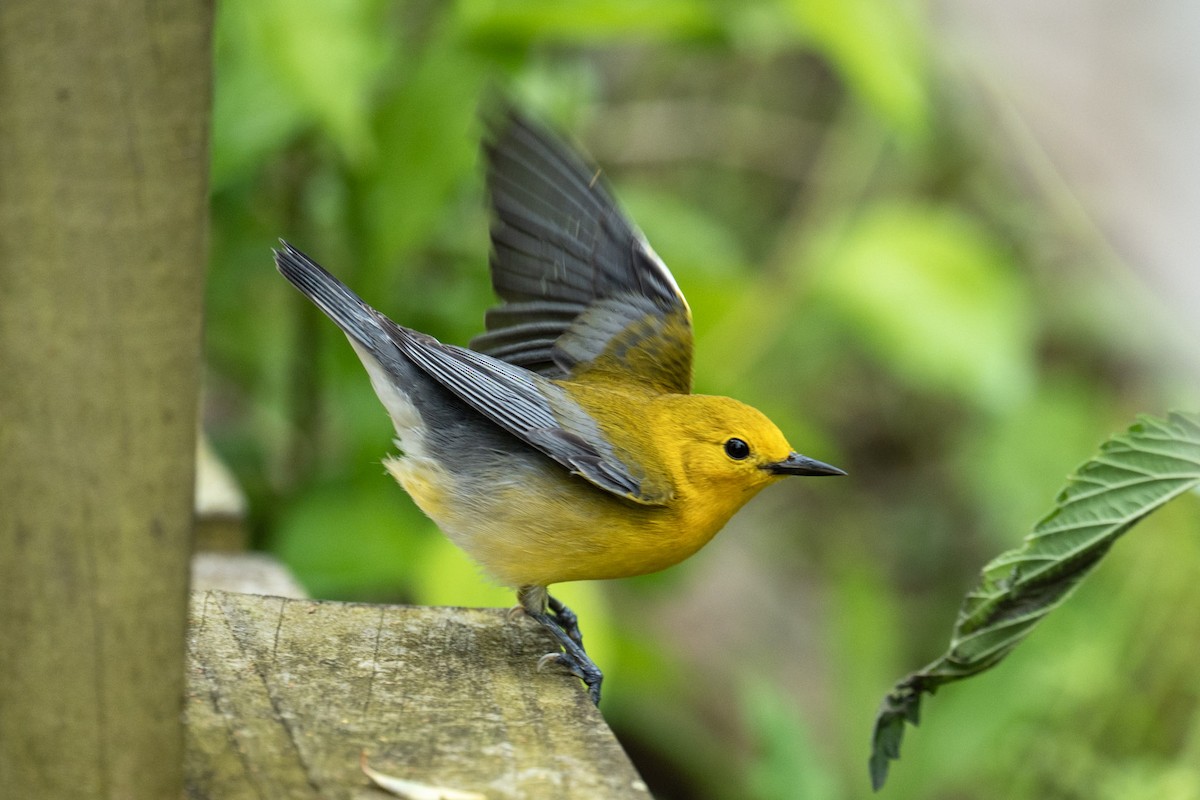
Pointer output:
547, 526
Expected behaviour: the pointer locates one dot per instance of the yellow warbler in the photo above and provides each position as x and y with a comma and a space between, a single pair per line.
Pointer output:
566, 444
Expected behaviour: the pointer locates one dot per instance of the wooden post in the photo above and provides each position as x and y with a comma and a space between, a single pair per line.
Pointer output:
103, 220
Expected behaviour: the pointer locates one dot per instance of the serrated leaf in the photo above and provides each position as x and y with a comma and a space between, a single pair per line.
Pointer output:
1133, 474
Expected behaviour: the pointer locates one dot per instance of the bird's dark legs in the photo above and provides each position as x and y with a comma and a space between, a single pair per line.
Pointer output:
566, 619
564, 627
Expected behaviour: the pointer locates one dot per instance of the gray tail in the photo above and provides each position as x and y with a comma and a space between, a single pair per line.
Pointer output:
356, 319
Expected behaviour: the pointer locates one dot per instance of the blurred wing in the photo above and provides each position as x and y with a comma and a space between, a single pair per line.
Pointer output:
531, 408
582, 288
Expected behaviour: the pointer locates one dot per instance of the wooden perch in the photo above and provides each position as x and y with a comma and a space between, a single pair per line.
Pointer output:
251, 572
283, 695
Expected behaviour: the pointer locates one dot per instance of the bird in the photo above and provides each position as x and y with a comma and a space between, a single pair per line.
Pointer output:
564, 443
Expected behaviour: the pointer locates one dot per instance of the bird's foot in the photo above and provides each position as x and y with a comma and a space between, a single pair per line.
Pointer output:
563, 625
566, 618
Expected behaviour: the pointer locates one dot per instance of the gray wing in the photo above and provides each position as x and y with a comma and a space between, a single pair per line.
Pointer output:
528, 406
561, 246
532, 408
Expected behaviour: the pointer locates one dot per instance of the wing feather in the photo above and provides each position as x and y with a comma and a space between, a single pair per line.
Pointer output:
564, 255
532, 408
535, 410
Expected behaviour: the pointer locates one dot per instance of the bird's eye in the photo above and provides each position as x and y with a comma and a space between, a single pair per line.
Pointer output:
737, 449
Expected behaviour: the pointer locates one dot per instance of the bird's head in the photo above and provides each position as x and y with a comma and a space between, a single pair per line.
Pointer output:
723, 452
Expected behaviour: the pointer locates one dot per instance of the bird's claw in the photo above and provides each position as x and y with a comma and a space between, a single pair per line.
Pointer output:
562, 623
566, 619
556, 658
585, 670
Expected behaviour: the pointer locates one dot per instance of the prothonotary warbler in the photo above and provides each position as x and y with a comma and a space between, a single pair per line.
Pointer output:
565, 444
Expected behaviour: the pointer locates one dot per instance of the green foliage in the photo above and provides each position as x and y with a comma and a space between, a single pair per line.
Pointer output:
1133, 475
535, 21
283, 67
861, 264
899, 259
427, 123
788, 763
314, 531
877, 48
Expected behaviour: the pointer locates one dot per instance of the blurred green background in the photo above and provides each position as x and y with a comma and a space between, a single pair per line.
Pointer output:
875, 255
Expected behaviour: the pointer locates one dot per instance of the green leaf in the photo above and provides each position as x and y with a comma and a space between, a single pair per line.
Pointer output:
1134, 474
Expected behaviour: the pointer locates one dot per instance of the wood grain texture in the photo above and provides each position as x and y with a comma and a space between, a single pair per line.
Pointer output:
104, 119
284, 694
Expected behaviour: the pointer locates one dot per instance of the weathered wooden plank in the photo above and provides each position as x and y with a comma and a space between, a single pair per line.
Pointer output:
284, 694
220, 503
250, 572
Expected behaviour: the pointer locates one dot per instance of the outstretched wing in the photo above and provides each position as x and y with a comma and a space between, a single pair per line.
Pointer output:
582, 288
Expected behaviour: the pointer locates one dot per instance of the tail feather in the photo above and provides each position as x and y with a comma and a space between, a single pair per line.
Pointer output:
401, 386
356, 319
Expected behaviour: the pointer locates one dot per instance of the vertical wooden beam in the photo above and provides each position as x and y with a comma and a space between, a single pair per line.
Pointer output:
104, 111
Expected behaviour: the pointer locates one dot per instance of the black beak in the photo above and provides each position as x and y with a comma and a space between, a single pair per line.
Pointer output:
796, 464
